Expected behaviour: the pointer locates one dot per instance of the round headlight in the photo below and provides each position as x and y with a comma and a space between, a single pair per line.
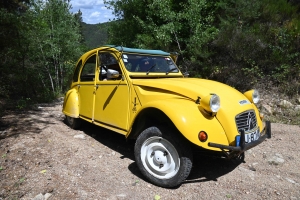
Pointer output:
252, 95
255, 96
214, 103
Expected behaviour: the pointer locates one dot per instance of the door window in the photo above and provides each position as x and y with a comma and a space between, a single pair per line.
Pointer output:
76, 73
88, 70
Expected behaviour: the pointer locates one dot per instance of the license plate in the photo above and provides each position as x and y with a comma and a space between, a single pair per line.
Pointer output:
252, 136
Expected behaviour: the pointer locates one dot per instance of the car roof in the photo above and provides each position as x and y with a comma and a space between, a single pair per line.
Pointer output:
140, 51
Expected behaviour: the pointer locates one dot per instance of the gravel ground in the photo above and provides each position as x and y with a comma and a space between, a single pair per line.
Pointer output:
41, 158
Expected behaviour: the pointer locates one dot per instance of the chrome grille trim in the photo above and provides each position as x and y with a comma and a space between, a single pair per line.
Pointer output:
246, 120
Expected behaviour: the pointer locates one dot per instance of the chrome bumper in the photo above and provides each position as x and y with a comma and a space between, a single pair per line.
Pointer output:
266, 133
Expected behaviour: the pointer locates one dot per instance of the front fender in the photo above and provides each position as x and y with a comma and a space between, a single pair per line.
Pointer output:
189, 120
71, 106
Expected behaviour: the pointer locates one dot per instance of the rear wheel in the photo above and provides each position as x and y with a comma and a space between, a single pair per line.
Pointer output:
162, 157
74, 123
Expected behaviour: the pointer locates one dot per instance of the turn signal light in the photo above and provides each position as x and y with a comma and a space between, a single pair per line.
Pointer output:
261, 115
202, 136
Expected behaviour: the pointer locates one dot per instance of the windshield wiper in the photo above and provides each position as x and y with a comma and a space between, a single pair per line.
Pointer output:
150, 68
170, 70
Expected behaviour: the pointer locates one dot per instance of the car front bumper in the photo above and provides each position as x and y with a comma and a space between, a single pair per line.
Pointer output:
266, 133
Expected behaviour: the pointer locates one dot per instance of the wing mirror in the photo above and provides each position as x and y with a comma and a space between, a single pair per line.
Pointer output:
186, 74
112, 74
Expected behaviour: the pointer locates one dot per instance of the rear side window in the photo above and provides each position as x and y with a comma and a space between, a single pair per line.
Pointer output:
88, 70
76, 73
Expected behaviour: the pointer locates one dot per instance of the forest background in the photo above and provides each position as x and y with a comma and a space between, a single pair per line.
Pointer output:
245, 44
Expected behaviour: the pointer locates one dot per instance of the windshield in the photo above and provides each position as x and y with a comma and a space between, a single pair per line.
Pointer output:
148, 64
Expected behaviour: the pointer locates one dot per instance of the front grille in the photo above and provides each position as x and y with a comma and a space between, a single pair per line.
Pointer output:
246, 121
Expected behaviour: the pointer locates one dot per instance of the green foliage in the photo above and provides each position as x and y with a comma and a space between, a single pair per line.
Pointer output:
257, 40
38, 49
23, 103
240, 43
95, 34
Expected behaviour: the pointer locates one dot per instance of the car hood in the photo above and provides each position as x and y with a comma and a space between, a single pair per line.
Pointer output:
193, 88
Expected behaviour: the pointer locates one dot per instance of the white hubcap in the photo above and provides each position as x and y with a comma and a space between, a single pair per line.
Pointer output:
160, 158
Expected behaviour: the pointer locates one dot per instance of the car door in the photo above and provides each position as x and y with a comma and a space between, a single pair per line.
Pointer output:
86, 87
112, 95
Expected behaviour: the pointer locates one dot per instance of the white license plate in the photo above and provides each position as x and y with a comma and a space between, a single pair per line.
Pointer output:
252, 136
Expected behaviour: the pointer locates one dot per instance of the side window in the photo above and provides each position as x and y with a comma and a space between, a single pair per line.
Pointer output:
76, 73
109, 63
88, 70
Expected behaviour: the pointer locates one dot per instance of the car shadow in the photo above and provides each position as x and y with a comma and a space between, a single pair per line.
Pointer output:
205, 168
208, 168
111, 139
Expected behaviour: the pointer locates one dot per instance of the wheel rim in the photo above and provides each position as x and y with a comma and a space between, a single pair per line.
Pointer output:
160, 158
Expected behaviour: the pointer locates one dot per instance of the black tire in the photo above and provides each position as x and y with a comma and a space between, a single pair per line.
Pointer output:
73, 123
154, 151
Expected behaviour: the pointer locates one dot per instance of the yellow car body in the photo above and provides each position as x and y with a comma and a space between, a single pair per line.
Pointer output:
110, 89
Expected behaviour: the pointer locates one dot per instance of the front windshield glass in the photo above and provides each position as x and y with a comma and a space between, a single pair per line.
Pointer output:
148, 64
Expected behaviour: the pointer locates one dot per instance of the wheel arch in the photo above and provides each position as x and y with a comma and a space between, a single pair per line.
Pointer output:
147, 117
185, 117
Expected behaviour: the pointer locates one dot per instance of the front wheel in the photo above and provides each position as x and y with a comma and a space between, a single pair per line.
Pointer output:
162, 157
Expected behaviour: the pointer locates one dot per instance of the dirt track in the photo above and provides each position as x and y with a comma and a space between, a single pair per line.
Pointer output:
40, 154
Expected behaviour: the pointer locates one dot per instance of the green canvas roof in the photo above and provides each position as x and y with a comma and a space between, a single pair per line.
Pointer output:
141, 51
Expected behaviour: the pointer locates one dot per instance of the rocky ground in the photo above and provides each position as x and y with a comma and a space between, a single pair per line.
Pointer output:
41, 158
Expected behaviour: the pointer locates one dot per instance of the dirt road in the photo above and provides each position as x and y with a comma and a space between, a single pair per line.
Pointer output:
42, 158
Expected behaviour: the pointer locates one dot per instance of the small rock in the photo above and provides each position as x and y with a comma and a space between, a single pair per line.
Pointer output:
285, 104
113, 153
297, 107
252, 168
39, 197
276, 160
80, 136
121, 195
290, 180
47, 196
267, 109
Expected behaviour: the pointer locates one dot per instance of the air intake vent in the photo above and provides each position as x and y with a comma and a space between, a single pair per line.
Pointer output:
246, 121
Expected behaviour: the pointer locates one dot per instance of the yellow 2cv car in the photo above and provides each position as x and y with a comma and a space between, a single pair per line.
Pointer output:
143, 95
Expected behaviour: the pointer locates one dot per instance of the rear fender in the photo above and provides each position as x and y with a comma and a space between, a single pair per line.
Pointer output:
71, 106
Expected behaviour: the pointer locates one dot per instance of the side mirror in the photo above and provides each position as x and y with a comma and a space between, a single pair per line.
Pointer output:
186, 74
112, 74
